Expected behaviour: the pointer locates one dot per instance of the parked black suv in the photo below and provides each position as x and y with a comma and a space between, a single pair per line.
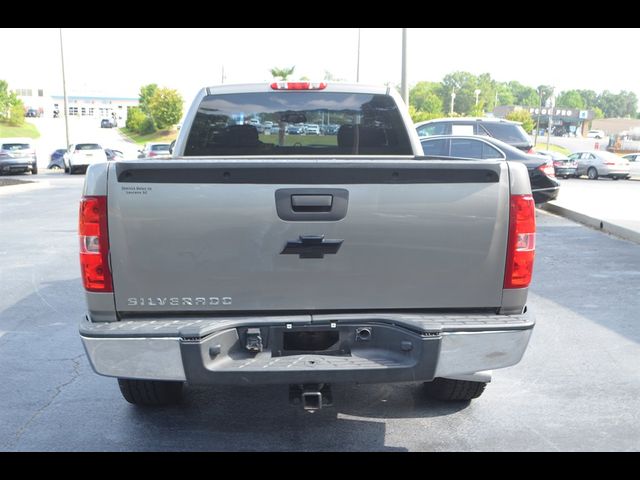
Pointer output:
106, 123
505, 130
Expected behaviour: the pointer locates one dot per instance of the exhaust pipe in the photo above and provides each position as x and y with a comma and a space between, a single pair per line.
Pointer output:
363, 334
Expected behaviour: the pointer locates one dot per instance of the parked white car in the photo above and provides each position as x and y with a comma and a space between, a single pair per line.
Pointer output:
312, 129
596, 134
81, 155
155, 150
600, 163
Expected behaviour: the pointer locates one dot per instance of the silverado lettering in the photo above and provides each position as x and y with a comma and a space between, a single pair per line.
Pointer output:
174, 301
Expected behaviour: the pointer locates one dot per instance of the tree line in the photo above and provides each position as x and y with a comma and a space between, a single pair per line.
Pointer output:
429, 100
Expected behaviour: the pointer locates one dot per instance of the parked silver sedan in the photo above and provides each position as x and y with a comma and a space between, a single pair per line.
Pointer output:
600, 163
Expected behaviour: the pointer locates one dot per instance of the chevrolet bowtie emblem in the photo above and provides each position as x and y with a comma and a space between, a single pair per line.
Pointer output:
312, 246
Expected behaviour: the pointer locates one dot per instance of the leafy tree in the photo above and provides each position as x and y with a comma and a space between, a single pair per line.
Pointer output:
147, 126
146, 93
597, 112
623, 104
463, 84
420, 116
11, 107
629, 102
488, 88
589, 97
16, 113
524, 117
165, 107
523, 95
505, 95
282, 73
424, 99
544, 93
570, 99
135, 117
478, 110
9, 100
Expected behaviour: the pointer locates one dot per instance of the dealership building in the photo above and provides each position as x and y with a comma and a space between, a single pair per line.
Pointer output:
90, 106
562, 120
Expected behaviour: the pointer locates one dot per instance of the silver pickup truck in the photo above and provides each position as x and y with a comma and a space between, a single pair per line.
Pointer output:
304, 260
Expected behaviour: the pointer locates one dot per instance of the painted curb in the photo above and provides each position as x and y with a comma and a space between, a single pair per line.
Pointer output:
593, 222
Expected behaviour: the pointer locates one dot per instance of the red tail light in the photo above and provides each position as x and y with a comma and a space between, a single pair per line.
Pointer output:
521, 244
152, 154
532, 151
547, 169
298, 85
94, 244
610, 163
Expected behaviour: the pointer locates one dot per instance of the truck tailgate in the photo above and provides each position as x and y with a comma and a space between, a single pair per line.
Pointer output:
296, 235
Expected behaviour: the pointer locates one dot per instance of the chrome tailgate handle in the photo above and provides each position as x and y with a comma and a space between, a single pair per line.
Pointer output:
312, 204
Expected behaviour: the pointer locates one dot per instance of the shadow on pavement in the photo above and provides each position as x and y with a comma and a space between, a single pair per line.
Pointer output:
260, 418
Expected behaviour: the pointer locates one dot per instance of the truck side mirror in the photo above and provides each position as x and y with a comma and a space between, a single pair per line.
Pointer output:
173, 144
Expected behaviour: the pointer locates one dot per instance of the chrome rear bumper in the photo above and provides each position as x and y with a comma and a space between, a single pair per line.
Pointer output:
402, 348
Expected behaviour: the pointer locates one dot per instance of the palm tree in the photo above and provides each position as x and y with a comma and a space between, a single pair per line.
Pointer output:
282, 73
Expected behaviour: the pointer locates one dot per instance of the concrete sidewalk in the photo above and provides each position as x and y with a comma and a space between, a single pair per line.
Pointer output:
607, 205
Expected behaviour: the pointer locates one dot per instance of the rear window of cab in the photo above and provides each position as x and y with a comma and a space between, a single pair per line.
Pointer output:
348, 124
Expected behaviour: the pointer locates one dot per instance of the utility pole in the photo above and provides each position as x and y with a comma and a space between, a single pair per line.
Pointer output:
222, 78
453, 97
538, 120
403, 87
358, 63
552, 106
64, 92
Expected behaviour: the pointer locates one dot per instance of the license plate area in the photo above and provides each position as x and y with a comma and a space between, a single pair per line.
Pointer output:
312, 340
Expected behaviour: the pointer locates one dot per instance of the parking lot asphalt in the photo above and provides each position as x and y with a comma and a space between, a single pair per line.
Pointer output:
577, 387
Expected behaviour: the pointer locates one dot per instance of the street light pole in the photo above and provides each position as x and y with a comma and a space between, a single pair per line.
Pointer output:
358, 64
64, 92
453, 96
552, 105
538, 120
405, 90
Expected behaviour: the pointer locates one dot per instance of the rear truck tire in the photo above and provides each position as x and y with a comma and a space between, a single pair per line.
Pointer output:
592, 173
34, 171
616, 178
150, 393
449, 389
